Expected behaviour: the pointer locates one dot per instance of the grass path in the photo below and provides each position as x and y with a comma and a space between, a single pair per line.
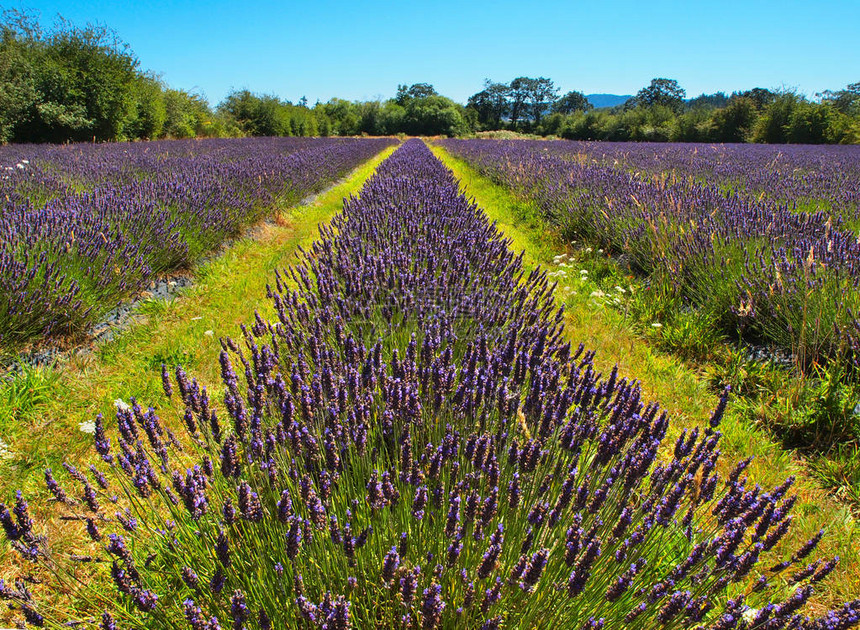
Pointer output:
185, 330
668, 380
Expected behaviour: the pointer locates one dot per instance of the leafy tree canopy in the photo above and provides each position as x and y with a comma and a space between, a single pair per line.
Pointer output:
666, 92
572, 102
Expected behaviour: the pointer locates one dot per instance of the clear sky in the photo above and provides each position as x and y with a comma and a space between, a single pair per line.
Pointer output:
361, 50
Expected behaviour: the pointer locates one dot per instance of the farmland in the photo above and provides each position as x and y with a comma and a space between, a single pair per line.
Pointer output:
87, 225
751, 258
403, 432
752, 246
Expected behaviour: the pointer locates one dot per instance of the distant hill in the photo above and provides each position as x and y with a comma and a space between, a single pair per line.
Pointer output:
606, 100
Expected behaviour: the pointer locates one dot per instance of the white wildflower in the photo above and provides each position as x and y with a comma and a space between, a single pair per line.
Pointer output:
5, 452
120, 404
620, 289
87, 426
209, 333
597, 294
656, 325
194, 319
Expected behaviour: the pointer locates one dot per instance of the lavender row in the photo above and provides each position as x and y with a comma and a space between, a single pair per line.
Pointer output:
412, 443
82, 226
780, 276
805, 177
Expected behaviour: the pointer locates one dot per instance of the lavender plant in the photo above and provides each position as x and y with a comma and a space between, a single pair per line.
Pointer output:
807, 178
754, 262
412, 444
82, 226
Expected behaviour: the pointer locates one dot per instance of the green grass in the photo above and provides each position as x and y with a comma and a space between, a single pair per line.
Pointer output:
683, 389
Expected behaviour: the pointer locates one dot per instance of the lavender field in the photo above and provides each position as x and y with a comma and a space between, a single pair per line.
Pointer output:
763, 239
809, 178
83, 226
411, 442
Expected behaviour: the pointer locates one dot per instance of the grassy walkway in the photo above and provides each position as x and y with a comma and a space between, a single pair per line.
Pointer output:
226, 291
666, 379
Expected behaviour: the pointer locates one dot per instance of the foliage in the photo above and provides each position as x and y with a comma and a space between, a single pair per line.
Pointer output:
735, 122
71, 84
187, 115
268, 115
490, 104
708, 101
572, 102
665, 92
415, 91
753, 116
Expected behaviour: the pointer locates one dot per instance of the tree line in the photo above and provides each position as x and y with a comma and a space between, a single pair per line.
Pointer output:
660, 112
70, 83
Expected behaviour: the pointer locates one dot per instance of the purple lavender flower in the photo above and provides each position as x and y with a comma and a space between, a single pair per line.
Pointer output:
107, 622
389, 565
432, 607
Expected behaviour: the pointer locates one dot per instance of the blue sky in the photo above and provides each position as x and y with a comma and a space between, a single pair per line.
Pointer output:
362, 50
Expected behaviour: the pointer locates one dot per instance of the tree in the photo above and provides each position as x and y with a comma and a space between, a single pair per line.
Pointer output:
664, 92
72, 83
416, 90
149, 112
734, 123
519, 94
343, 115
846, 101
772, 126
760, 97
491, 104
18, 92
187, 115
100, 73
541, 96
708, 101
810, 123
572, 102
434, 116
